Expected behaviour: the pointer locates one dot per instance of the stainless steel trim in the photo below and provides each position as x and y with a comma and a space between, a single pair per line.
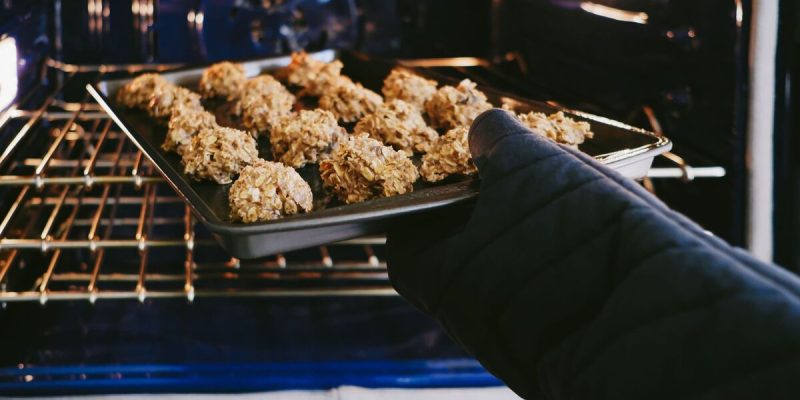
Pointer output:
760, 128
10, 297
11, 180
445, 62
106, 68
681, 173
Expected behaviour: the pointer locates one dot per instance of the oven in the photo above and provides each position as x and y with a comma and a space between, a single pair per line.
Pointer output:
108, 285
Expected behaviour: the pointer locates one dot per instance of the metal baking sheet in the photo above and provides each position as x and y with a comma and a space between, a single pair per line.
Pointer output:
627, 149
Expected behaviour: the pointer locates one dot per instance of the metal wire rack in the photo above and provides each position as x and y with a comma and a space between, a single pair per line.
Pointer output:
83, 216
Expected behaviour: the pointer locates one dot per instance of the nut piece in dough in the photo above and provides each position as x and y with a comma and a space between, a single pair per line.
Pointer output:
184, 124
449, 155
312, 75
400, 125
138, 92
361, 168
451, 107
558, 127
224, 79
409, 87
304, 137
219, 154
263, 102
268, 190
167, 98
350, 101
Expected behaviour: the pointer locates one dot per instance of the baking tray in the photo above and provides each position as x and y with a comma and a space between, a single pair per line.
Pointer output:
627, 149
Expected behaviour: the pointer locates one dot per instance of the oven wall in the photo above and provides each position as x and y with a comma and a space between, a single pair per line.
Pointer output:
425, 28
181, 31
185, 31
684, 59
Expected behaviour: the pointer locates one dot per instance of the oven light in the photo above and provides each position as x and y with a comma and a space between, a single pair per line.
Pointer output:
8, 72
739, 13
614, 13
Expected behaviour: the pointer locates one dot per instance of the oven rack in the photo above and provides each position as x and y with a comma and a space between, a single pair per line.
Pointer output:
84, 216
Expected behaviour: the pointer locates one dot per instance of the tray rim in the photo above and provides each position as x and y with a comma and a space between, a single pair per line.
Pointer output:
468, 187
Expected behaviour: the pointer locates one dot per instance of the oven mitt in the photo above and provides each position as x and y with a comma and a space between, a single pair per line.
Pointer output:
568, 281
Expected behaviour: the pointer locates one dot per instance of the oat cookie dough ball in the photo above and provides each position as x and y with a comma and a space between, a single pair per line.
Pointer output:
224, 79
405, 85
219, 154
350, 101
304, 137
451, 107
558, 127
138, 92
263, 85
184, 124
449, 155
167, 98
312, 75
262, 104
400, 125
268, 190
361, 168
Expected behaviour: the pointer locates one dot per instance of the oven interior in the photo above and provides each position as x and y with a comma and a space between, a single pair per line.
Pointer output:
107, 284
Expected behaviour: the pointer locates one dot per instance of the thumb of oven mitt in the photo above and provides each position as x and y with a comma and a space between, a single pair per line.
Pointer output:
566, 280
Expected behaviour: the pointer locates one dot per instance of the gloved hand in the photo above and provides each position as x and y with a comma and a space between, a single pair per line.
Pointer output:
417, 244
566, 280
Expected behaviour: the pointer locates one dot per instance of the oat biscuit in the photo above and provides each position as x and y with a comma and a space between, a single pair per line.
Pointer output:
184, 124
219, 154
304, 137
312, 75
350, 101
558, 127
262, 104
268, 190
361, 168
451, 107
224, 79
167, 98
400, 125
449, 155
138, 92
405, 85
